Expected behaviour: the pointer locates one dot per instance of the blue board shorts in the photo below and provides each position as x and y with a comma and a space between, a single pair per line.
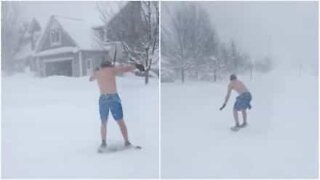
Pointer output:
110, 102
243, 101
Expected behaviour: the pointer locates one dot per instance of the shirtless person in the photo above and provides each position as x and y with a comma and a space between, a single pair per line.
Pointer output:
109, 98
242, 101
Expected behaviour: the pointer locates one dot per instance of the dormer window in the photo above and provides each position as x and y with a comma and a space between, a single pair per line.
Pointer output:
55, 37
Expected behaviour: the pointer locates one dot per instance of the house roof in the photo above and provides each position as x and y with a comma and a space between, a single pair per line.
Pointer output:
80, 31
58, 51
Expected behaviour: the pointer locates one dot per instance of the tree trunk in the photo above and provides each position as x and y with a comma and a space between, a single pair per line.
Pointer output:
182, 75
146, 77
115, 55
251, 73
146, 74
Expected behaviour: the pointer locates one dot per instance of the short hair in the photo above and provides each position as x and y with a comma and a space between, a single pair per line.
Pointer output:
233, 77
106, 64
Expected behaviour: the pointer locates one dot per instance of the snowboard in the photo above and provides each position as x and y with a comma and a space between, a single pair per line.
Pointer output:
236, 129
117, 148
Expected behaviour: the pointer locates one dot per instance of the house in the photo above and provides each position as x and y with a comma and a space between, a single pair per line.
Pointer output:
68, 47
125, 26
30, 34
129, 26
74, 47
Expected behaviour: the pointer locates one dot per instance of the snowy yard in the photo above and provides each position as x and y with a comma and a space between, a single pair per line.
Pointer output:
50, 129
279, 142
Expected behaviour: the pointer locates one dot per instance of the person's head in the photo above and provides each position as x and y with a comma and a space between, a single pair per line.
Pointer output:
233, 77
106, 64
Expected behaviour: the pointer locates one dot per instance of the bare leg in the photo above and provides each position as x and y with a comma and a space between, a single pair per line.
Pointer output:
235, 116
244, 116
124, 131
103, 131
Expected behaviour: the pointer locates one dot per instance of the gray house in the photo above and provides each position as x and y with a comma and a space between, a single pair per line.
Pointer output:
68, 47
74, 47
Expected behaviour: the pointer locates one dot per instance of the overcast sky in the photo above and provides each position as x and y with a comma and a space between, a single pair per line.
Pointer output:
86, 10
286, 30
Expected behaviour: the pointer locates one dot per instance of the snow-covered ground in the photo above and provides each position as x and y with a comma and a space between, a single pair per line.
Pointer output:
280, 141
50, 129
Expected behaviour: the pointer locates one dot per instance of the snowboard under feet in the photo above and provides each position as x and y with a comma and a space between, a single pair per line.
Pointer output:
237, 128
115, 148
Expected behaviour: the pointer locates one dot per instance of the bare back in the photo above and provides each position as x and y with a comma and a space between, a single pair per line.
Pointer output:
106, 77
238, 86
106, 80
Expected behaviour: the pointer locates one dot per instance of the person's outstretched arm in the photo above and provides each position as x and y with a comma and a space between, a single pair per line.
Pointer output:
120, 69
227, 97
127, 68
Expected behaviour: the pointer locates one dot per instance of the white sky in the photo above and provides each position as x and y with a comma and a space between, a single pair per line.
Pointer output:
288, 31
42, 10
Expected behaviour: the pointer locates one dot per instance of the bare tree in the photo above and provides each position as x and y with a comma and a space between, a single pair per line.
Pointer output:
265, 65
174, 37
191, 38
9, 34
150, 13
136, 27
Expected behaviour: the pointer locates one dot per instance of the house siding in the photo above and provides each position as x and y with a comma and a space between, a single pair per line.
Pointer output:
96, 56
133, 26
76, 65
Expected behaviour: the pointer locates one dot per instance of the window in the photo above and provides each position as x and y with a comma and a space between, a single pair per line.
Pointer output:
55, 37
89, 64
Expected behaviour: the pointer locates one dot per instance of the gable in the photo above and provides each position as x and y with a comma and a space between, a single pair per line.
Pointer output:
45, 42
81, 32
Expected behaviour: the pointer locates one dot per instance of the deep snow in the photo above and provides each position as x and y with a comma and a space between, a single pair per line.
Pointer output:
50, 129
281, 140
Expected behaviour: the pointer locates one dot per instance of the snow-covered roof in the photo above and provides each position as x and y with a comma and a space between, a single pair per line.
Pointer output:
58, 51
80, 31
